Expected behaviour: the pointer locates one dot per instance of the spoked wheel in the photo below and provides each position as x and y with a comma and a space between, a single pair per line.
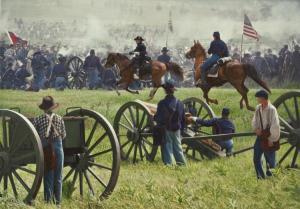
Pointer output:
133, 124
195, 149
76, 73
96, 169
288, 109
21, 157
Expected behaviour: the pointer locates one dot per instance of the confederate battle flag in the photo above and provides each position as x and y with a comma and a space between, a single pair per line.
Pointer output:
15, 39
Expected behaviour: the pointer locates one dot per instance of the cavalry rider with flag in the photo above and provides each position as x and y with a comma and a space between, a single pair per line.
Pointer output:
140, 56
217, 49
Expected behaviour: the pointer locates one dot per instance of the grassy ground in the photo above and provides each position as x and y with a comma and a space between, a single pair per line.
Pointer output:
220, 183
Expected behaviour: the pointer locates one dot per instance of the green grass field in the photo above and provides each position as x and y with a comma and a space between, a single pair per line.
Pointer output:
212, 184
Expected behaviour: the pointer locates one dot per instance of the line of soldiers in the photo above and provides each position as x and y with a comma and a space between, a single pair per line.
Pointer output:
284, 66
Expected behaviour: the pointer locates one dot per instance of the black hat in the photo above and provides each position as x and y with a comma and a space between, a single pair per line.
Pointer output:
262, 94
225, 111
62, 59
164, 49
92, 51
48, 103
216, 34
169, 86
139, 38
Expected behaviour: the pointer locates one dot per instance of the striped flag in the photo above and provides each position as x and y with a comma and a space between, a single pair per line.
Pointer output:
170, 23
249, 30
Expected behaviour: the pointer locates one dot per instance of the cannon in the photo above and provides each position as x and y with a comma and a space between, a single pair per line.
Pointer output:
134, 123
91, 149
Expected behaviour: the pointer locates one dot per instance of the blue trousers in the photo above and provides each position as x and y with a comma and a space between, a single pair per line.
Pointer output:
257, 160
53, 178
39, 79
208, 64
60, 83
92, 78
172, 147
227, 145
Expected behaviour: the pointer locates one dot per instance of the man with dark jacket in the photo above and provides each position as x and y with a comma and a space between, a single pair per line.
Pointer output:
39, 64
92, 67
170, 116
217, 49
140, 56
164, 57
59, 74
8, 78
222, 126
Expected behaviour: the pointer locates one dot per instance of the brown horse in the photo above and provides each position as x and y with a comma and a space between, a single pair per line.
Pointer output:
232, 72
157, 72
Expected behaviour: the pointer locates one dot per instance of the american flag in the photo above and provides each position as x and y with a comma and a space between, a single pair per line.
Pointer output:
249, 30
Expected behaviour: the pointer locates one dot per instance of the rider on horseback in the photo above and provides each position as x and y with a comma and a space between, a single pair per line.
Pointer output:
140, 56
218, 49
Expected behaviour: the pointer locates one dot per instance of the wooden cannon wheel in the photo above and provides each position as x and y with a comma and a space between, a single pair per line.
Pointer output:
96, 169
289, 114
76, 73
133, 125
21, 157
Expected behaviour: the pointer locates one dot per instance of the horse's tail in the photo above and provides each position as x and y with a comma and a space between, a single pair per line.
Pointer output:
174, 68
252, 73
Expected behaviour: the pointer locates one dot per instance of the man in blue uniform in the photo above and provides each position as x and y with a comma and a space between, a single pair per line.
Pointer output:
39, 64
164, 57
8, 78
217, 49
222, 126
59, 74
21, 75
140, 56
92, 67
170, 116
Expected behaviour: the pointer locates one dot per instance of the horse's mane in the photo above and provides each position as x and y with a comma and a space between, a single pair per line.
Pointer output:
201, 48
119, 55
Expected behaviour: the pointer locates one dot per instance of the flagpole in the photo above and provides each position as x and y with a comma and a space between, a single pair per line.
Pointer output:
242, 42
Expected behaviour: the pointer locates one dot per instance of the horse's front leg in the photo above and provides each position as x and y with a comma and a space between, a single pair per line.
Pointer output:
205, 95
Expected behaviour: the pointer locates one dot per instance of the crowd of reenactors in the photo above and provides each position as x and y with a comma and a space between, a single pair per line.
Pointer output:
281, 66
41, 67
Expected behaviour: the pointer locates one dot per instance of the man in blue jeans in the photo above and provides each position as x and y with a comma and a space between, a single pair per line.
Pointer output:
170, 116
222, 126
217, 49
265, 116
51, 129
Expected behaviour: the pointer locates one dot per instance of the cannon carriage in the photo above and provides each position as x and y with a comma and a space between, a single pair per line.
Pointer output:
91, 149
134, 123
76, 73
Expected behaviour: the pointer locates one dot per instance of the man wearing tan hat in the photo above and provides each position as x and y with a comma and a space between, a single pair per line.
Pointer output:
51, 129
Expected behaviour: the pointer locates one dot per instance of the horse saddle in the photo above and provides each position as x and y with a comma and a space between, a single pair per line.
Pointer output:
213, 72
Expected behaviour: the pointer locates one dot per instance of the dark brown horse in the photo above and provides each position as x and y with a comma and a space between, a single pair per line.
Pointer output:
232, 72
156, 73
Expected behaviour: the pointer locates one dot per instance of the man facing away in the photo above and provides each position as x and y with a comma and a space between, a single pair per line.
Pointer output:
170, 116
265, 117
